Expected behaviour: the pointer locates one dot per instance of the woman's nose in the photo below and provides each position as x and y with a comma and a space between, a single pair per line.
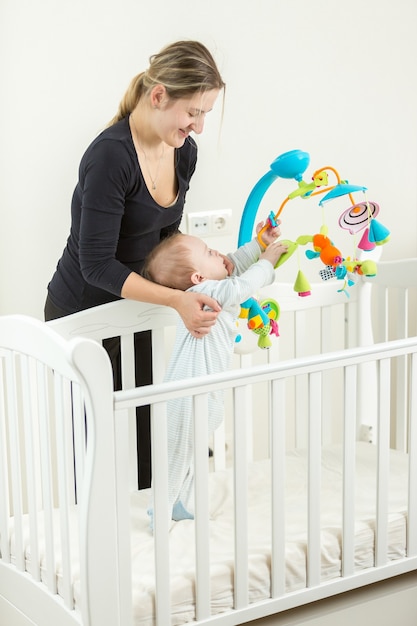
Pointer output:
198, 124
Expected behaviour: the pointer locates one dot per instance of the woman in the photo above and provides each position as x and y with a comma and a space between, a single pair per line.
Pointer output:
133, 180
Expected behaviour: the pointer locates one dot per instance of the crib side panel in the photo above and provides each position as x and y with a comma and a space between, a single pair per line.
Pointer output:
37, 476
325, 540
56, 448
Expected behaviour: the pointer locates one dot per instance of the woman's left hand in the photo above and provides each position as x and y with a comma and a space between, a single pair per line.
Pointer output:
198, 312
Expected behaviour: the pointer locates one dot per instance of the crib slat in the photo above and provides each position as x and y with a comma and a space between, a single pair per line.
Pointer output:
351, 322
45, 448
382, 308
326, 319
300, 333
127, 361
62, 401
349, 448
68, 437
159, 444
219, 448
121, 436
336, 321
300, 393
4, 483
127, 356
314, 480
300, 411
412, 463
401, 403
278, 487
381, 539
402, 314
241, 498
246, 361
202, 545
12, 385
79, 439
402, 373
29, 381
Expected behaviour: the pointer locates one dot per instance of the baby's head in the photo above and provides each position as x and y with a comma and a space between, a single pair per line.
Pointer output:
181, 261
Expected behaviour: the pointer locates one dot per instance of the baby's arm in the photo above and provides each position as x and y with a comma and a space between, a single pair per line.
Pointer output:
231, 291
250, 252
270, 234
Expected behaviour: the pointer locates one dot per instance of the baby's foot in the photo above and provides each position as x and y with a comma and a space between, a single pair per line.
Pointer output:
179, 512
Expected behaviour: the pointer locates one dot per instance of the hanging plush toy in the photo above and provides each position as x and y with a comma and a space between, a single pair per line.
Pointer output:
262, 319
324, 248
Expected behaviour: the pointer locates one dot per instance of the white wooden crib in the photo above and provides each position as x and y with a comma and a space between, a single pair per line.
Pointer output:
312, 492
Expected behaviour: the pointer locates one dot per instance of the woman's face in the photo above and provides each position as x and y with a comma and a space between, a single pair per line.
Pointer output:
179, 118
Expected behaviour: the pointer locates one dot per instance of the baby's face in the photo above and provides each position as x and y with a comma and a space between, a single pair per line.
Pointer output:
208, 262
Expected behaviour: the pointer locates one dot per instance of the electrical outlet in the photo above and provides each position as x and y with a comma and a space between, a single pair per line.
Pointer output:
199, 224
221, 222
211, 223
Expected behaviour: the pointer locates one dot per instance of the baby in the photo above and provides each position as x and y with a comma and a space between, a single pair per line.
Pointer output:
185, 262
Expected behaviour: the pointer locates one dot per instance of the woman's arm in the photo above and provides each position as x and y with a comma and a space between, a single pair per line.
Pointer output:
190, 306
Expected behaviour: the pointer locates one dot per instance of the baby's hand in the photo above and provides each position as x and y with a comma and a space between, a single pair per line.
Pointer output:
269, 233
274, 251
228, 264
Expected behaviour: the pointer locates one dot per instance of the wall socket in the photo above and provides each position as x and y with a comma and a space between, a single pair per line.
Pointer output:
210, 223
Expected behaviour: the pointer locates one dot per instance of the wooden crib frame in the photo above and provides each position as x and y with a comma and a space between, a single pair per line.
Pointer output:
37, 468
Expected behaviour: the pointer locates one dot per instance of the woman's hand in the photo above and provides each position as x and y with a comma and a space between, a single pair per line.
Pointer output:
192, 309
190, 306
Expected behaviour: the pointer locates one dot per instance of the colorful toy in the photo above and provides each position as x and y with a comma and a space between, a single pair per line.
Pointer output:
357, 217
261, 319
301, 285
324, 248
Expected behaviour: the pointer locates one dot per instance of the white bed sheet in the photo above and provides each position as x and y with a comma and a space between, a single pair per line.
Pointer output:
259, 522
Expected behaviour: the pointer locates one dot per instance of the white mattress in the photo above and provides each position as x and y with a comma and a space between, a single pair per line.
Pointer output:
222, 540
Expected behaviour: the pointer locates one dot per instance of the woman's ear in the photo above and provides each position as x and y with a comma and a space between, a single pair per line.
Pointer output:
196, 278
158, 96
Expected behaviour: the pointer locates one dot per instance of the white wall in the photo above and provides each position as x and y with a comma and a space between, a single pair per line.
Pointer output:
336, 83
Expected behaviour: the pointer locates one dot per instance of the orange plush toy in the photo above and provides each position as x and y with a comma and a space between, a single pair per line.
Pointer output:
323, 248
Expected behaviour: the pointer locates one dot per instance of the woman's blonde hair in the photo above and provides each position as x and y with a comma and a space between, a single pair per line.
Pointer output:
170, 263
183, 67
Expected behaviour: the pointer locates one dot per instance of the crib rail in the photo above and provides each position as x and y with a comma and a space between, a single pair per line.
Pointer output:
279, 377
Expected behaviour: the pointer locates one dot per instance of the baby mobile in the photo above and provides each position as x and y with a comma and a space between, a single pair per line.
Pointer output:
359, 216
